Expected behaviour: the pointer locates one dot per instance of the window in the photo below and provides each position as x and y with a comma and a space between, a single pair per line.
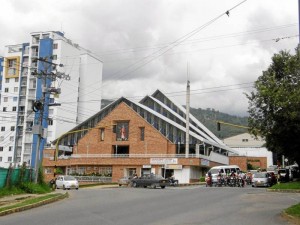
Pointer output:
5, 99
16, 89
17, 79
11, 138
6, 89
51, 100
7, 80
102, 134
0, 158
122, 131
4, 109
2, 128
55, 46
54, 57
10, 148
9, 159
15, 99
244, 140
14, 108
142, 133
50, 122
1, 149
2, 138
12, 128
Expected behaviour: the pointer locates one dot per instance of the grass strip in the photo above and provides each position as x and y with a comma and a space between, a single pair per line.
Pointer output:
285, 186
29, 202
294, 210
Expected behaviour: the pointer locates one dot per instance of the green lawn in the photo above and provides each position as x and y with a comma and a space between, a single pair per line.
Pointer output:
289, 185
294, 210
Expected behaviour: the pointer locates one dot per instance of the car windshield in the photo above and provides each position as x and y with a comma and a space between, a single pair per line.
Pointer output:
69, 178
260, 175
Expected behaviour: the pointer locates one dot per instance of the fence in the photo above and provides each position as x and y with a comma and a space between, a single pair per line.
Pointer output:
95, 179
15, 175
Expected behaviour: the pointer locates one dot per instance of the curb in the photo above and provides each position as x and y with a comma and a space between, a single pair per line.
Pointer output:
290, 218
284, 190
34, 205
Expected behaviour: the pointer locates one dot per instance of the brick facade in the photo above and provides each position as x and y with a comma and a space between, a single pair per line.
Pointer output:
241, 161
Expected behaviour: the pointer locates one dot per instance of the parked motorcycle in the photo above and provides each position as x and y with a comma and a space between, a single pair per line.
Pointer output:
173, 182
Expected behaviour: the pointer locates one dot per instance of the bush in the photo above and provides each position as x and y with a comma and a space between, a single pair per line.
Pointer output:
202, 179
33, 188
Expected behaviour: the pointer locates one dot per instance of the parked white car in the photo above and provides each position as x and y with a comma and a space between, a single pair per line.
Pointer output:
66, 182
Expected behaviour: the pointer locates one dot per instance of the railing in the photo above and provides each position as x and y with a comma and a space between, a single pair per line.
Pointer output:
78, 156
98, 179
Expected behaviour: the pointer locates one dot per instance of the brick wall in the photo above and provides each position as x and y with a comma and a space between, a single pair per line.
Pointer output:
242, 161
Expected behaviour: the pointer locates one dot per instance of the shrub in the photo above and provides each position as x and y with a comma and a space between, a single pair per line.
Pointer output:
33, 188
202, 179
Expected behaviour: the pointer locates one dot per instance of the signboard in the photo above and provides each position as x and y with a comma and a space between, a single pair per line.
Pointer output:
163, 161
204, 162
146, 166
173, 167
65, 148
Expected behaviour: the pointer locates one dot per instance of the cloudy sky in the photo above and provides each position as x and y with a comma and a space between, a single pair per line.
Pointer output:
149, 44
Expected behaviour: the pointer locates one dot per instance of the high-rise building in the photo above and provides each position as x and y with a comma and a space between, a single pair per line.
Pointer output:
28, 71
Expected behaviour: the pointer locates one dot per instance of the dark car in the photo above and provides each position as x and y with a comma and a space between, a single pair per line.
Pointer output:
150, 181
283, 175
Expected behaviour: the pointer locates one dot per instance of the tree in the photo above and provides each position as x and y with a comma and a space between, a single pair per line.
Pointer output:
274, 106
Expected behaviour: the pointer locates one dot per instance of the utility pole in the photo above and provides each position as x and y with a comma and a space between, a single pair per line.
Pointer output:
187, 117
39, 106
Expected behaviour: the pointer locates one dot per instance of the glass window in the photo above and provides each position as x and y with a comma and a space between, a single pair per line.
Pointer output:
0, 158
102, 134
4, 109
12, 128
2, 128
2, 139
122, 131
16, 89
6, 89
9, 159
5, 99
1, 149
14, 108
7, 80
142, 133
55, 46
17, 79
15, 99
11, 138
10, 148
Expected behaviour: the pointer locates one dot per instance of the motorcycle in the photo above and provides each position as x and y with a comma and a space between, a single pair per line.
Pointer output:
208, 181
173, 182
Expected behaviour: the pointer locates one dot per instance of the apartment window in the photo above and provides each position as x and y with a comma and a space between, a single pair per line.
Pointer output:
14, 108
2, 128
0, 158
102, 134
4, 109
11, 138
10, 148
54, 57
55, 46
17, 79
2, 138
142, 133
7, 80
51, 100
5, 99
9, 159
6, 89
1, 149
50, 122
12, 128
245, 140
15, 99
16, 89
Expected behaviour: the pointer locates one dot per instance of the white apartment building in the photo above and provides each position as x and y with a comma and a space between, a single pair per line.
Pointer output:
80, 80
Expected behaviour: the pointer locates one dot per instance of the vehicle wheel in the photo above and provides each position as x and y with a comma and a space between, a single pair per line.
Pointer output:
64, 188
134, 184
175, 183
145, 186
163, 187
76, 188
120, 185
153, 186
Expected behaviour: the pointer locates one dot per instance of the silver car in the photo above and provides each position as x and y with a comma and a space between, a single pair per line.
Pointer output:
66, 182
262, 179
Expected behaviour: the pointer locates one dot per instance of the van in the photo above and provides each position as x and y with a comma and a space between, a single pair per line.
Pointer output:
224, 171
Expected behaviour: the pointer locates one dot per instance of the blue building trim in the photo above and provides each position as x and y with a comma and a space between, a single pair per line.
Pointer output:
45, 51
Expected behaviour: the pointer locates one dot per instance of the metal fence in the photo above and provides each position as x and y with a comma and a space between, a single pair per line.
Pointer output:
96, 179
15, 176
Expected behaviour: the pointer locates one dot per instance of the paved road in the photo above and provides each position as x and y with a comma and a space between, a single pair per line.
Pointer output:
193, 205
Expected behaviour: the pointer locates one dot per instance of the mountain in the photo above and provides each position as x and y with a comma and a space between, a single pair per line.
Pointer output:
208, 117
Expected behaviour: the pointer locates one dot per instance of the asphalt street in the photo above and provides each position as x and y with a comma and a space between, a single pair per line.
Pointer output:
190, 205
